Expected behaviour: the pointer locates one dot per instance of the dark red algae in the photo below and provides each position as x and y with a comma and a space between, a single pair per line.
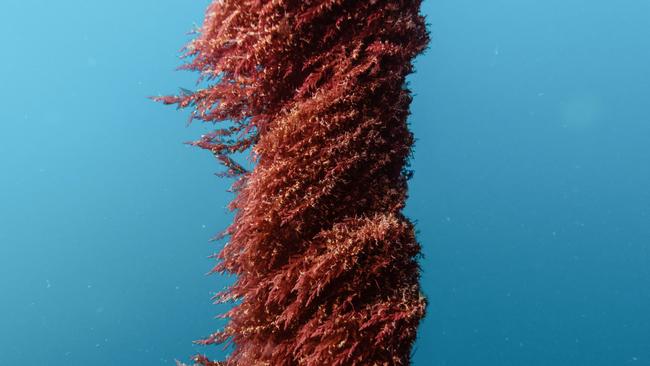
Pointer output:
326, 263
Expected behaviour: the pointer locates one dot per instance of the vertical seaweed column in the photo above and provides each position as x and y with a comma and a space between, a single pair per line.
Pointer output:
326, 263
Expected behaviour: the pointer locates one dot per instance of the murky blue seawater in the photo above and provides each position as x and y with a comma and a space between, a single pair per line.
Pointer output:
531, 192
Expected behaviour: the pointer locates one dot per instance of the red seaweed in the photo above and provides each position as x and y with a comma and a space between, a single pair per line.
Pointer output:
326, 263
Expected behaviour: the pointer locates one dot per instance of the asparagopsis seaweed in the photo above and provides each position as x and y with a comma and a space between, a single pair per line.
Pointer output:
325, 262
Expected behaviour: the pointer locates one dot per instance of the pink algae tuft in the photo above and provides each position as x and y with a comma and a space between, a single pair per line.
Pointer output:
326, 263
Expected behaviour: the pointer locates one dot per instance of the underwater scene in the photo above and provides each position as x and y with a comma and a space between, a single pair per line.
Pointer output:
325, 182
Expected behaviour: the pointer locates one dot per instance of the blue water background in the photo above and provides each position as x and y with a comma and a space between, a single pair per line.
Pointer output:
531, 190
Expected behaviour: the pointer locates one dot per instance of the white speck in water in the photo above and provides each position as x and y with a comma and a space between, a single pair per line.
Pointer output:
48, 284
